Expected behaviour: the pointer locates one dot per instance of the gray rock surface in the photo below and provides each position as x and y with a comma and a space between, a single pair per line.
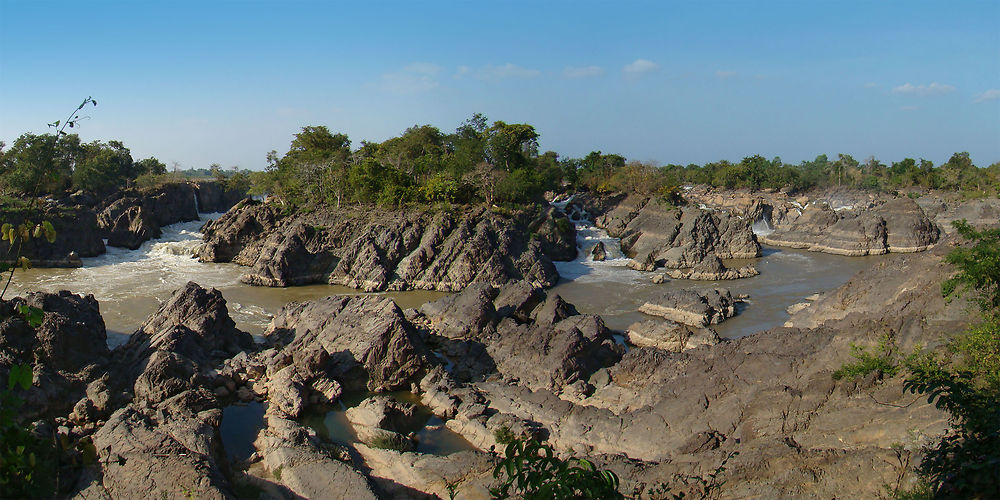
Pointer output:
361, 343
135, 216
670, 336
898, 226
710, 269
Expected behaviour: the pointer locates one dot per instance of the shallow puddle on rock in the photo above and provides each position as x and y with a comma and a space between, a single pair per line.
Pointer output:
241, 422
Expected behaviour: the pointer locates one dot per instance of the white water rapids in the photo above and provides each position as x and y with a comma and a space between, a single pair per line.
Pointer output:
130, 285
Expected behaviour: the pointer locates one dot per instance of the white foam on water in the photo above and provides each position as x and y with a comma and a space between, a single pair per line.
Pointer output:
761, 227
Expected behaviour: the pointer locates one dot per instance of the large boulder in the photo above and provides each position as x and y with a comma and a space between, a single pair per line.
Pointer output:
135, 216
693, 307
898, 225
178, 347
670, 336
67, 351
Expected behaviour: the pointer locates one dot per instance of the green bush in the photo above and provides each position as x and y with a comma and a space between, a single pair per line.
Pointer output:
880, 360
533, 471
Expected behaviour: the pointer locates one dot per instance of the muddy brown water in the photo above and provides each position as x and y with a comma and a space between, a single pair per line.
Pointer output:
130, 285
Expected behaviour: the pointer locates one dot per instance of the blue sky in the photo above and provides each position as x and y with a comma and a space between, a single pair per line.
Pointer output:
671, 82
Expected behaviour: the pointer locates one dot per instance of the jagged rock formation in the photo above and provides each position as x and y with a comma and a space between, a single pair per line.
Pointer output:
599, 253
376, 250
657, 235
334, 344
133, 217
67, 351
692, 307
77, 236
898, 226
214, 197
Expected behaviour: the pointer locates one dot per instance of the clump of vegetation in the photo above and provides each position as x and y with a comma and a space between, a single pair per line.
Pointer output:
965, 380
504, 436
533, 471
881, 360
27, 467
391, 441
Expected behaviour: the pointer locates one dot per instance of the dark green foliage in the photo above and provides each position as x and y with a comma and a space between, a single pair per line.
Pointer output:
966, 382
979, 266
533, 471
26, 462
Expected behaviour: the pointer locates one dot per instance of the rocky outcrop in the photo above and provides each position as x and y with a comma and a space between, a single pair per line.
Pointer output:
67, 351
517, 333
295, 456
670, 336
339, 343
216, 197
654, 234
692, 307
77, 236
376, 250
135, 216
710, 269
599, 253
898, 226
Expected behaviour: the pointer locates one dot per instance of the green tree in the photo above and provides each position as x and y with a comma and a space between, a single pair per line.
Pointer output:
511, 146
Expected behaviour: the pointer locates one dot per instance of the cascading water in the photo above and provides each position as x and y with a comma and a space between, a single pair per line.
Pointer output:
584, 268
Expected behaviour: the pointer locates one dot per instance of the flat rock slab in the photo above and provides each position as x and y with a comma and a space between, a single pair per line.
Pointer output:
670, 336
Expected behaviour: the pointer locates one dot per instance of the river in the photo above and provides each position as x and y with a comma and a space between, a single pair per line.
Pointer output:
131, 284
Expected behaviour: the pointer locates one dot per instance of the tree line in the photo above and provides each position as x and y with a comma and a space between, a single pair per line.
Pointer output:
480, 161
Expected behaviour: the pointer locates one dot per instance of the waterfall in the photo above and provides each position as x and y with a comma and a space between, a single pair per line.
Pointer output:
197, 209
584, 268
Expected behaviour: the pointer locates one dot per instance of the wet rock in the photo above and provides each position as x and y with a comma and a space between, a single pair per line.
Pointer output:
691, 307
670, 336
598, 253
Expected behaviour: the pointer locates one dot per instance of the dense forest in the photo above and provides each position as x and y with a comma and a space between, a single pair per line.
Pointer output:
478, 162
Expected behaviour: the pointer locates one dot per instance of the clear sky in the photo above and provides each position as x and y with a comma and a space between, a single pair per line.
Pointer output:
671, 82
